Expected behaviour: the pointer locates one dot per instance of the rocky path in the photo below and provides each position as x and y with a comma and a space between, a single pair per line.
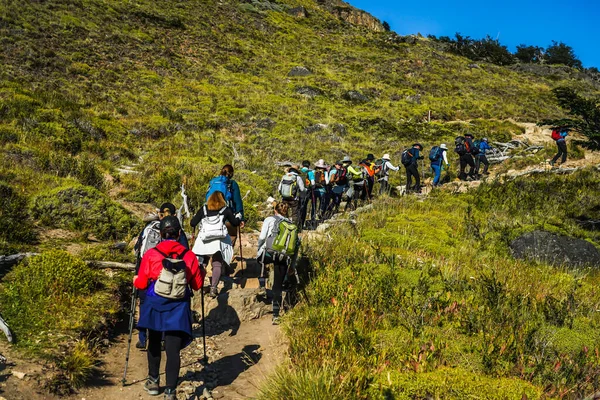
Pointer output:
243, 348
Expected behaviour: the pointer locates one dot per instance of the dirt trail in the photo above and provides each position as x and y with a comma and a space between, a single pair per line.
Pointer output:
240, 358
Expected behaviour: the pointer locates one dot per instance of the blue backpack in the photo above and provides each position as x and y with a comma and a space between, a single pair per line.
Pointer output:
220, 184
435, 153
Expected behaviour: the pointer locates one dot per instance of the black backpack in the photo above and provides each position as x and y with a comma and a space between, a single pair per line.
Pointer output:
406, 157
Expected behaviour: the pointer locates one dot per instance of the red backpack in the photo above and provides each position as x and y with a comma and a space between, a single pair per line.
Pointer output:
555, 134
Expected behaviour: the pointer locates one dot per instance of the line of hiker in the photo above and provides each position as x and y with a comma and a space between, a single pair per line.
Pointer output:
167, 273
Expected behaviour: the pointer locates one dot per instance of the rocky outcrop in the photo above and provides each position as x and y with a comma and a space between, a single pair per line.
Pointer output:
299, 71
358, 17
309, 91
298, 12
355, 97
555, 249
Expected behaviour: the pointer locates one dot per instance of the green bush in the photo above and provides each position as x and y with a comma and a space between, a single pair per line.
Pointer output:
83, 209
15, 224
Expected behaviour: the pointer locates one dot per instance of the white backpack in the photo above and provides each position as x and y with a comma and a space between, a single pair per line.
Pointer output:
289, 187
213, 228
150, 238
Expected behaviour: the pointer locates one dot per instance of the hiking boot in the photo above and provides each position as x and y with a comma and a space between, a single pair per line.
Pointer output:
262, 291
276, 321
213, 292
170, 394
151, 386
140, 345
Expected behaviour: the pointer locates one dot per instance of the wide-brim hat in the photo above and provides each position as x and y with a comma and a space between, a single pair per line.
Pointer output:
386, 157
370, 157
338, 162
443, 146
469, 135
418, 145
347, 159
321, 164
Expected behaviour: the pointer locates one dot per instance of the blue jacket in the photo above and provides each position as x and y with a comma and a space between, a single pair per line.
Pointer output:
483, 146
238, 205
563, 135
415, 156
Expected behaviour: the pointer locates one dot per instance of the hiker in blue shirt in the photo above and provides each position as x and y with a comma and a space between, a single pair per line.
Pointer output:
225, 183
308, 195
481, 158
412, 169
561, 143
436, 163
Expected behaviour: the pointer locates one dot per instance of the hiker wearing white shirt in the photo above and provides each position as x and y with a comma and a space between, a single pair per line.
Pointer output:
385, 168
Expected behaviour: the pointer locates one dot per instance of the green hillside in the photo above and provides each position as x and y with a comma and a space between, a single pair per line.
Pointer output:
89, 85
107, 104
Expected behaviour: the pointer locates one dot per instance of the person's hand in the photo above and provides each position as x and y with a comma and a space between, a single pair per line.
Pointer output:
134, 278
242, 225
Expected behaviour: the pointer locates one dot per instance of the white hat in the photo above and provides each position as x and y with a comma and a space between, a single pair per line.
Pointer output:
386, 156
321, 164
443, 146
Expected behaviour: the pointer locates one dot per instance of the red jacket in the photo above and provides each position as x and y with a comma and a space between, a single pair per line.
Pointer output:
151, 265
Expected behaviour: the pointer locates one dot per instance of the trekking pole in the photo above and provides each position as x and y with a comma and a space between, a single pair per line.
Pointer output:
241, 253
131, 322
204, 359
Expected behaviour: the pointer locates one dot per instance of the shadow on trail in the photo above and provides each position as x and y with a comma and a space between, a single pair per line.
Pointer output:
222, 318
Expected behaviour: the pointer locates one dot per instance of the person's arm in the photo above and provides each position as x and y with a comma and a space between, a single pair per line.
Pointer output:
416, 155
564, 134
183, 239
445, 157
389, 165
237, 200
141, 279
194, 274
264, 232
300, 181
326, 173
232, 218
197, 218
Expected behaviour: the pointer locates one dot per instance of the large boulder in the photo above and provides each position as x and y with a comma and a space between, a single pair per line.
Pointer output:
355, 96
555, 249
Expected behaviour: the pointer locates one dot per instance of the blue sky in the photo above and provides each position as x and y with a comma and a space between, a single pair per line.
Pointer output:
531, 22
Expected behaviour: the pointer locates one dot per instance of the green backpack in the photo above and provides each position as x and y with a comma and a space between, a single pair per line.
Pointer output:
284, 238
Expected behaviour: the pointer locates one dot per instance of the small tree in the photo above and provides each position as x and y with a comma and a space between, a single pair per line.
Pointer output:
560, 53
586, 113
386, 26
529, 54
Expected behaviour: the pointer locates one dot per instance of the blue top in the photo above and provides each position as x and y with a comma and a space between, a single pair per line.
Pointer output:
483, 146
238, 205
563, 135
415, 155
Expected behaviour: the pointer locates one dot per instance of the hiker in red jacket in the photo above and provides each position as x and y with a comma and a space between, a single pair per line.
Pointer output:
168, 316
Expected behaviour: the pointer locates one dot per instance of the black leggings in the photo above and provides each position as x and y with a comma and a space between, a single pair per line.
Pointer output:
412, 171
466, 159
481, 159
562, 151
173, 342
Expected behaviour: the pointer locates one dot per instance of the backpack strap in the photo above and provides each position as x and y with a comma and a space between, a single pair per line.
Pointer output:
179, 257
222, 210
183, 253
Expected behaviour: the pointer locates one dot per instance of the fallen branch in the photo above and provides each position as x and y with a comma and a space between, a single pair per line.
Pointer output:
110, 264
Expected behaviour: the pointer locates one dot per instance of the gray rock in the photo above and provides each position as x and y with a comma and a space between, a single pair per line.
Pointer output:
355, 96
298, 12
299, 71
309, 91
340, 129
315, 128
555, 249
473, 66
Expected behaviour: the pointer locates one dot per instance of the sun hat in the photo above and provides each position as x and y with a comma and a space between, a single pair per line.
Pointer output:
347, 159
386, 156
320, 164
443, 146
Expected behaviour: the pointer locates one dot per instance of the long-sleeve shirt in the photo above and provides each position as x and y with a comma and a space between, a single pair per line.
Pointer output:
387, 166
415, 156
267, 229
354, 174
483, 147
238, 204
563, 136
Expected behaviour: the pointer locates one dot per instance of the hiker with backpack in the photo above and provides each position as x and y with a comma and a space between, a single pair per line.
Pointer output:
560, 137
356, 181
371, 170
214, 241
309, 195
167, 272
321, 182
230, 189
481, 158
410, 158
277, 244
338, 177
148, 238
384, 173
437, 156
462, 146
292, 191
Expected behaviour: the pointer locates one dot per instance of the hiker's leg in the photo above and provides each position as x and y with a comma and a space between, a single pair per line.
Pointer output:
154, 339
486, 163
477, 162
463, 164
437, 171
217, 264
563, 148
471, 164
383, 186
279, 271
142, 333
173, 342
408, 179
415, 172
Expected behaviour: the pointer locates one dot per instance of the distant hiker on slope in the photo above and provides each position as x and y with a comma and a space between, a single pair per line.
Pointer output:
386, 167
371, 170
233, 198
410, 158
481, 157
338, 177
560, 137
321, 183
309, 195
438, 157
213, 239
461, 147
166, 311
357, 183
148, 238
272, 235
292, 191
